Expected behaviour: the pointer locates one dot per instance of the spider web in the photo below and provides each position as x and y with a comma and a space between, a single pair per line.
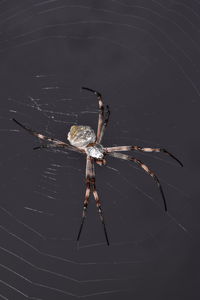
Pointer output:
143, 56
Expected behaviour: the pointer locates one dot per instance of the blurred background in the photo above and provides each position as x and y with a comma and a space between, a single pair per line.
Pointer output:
144, 57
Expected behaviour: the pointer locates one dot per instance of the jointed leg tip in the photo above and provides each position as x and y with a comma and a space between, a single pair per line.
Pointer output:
180, 163
165, 204
18, 123
78, 237
91, 90
86, 88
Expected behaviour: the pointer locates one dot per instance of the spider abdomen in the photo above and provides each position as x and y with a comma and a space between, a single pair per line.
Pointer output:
81, 136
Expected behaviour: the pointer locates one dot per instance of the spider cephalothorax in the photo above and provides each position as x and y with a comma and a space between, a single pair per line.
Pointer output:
84, 140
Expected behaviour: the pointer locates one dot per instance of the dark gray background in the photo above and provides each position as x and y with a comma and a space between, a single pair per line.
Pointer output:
144, 57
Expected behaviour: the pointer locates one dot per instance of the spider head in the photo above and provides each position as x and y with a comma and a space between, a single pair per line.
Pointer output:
81, 136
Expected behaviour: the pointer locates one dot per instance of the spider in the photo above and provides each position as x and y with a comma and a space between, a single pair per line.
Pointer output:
83, 139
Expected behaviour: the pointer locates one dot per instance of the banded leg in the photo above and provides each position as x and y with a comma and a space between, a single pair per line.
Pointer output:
142, 149
89, 168
55, 142
145, 168
105, 123
44, 146
101, 112
98, 205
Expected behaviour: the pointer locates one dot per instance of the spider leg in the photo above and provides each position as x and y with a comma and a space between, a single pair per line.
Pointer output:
90, 186
55, 142
145, 168
103, 121
142, 149
41, 147
98, 204
85, 205
45, 146
88, 171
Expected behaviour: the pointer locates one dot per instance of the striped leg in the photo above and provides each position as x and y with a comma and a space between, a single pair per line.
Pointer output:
48, 146
145, 168
105, 123
89, 168
101, 120
44, 146
55, 142
142, 149
98, 204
